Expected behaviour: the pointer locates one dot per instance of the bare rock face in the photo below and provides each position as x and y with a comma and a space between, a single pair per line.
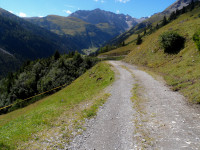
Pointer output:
120, 22
179, 4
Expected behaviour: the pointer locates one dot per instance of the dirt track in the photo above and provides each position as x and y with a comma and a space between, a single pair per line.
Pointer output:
160, 119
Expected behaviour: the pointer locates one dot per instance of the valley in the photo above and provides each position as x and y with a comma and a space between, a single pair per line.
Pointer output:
96, 79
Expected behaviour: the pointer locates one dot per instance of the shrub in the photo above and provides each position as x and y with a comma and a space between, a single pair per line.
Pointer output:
171, 42
196, 39
139, 40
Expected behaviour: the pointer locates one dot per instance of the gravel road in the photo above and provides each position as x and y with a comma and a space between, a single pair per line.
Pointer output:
113, 127
167, 122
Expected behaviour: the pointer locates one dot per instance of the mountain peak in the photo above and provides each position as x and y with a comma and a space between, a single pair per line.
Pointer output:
179, 4
97, 16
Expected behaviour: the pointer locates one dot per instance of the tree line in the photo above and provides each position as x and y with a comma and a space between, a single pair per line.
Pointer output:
42, 75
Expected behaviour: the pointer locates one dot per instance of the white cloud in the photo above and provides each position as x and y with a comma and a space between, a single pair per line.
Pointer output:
67, 11
21, 14
122, 1
11, 11
117, 11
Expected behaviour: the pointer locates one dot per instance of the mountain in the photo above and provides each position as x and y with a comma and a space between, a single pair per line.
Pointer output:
149, 22
21, 40
179, 4
120, 22
179, 67
90, 29
85, 34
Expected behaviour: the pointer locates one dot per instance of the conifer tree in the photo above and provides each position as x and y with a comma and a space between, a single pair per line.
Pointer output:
145, 31
56, 55
192, 5
177, 12
183, 10
123, 43
164, 21
157, 26
172, 16
139, 40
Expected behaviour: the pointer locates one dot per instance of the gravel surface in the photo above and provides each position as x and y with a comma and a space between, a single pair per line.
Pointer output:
168, 122
173, 123
113, 126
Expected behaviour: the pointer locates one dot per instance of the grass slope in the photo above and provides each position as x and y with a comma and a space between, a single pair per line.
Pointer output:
180, 70
18, 126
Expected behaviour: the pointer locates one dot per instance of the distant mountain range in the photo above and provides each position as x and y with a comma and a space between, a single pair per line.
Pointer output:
21, 40
119, 22
31, 38
90, 28
156, 18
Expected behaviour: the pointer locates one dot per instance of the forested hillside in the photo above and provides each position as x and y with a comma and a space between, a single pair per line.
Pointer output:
38, 76
21, 40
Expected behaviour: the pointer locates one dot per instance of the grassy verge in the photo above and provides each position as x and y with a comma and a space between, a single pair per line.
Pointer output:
112, 58
141, 118
18, 127
125, 50
179, 70
143, 138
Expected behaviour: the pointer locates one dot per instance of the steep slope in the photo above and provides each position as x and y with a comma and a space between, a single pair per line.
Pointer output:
23, 40
179, 4
8, 62
179, 70
36, 121
149, 22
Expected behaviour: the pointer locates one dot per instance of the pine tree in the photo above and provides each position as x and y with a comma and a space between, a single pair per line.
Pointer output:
157, 26
139, 40
164, 21
123, 43
56, 55
177, 12
183, 10
172, 16
145, 31
192, 5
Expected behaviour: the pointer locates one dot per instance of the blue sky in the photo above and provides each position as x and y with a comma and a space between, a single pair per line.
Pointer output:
135, 8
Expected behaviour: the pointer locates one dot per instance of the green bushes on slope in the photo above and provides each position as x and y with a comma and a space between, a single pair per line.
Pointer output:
196, 39
171, 42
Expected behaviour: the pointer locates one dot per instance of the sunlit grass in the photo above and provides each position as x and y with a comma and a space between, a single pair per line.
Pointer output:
181, 70
18, 126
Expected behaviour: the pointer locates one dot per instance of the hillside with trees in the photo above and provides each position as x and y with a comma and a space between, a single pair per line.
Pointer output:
21, 41
41, 75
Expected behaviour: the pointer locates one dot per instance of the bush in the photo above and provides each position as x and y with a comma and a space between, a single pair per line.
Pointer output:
196, 39
139, 40
171, 42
